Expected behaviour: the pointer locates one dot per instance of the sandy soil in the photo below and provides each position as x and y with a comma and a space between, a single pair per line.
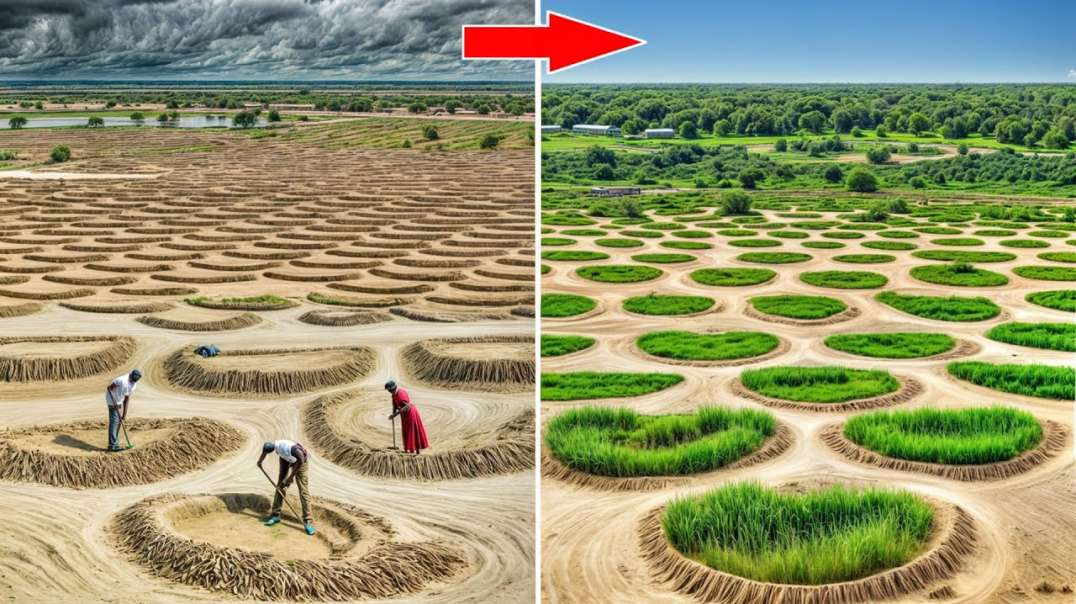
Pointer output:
84, 442
239, 206
590, 548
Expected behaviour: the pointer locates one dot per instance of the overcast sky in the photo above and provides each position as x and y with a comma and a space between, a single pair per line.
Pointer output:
251, 39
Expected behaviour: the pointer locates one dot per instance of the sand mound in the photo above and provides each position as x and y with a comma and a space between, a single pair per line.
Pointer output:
336, 318
215, 542
952, 540
234, 322
51, 358
505, 449
486, 363
65, 455
277, 371
1055, 438
909, 389
553, 468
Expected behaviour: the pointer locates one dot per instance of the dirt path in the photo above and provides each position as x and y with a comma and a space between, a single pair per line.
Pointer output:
590, 549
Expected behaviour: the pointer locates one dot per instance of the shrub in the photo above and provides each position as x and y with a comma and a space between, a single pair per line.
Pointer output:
819, 384
654, 304
558, 345
60, 154
1042, 381
95, 122
489, 141
566, 305
765, 535
833, 173
686, 345
798, 307
138, 116
952, 308
892, 345
243, 119
780, 145
878, 155
735, 203
862, 181
274, 115
947, 436
583, 385
844, 279
621, 442
1050, 336
732, 276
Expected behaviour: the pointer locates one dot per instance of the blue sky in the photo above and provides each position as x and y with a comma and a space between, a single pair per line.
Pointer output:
831, 41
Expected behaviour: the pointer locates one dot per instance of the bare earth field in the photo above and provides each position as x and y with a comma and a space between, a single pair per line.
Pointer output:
371, 248
591, 543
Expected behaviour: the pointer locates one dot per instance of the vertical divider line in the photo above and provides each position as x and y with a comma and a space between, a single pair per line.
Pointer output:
537, 318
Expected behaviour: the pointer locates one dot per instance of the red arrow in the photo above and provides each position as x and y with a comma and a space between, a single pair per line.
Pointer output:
566, 42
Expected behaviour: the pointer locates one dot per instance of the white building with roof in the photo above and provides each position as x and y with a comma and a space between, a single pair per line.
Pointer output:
596, 130
660, 133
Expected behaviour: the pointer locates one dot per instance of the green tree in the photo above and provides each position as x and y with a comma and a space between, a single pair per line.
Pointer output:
780, 145
417, 107
604, 172
722, 127
734, 203
274, 115
451, 106
600, 155
137, 116
861, 181
842, 121
878, 155
16, 122
430, 132
1055, 139
60, 154
95, 122
880, 132
749, 178
688, 129
833, 173
812, 121
489, 141
918, 123
962, 149
244, 119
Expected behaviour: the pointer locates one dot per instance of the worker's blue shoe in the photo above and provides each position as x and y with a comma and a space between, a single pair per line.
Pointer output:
309, 528
270, 521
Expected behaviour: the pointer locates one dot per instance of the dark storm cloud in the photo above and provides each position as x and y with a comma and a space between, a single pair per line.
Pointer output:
283, 39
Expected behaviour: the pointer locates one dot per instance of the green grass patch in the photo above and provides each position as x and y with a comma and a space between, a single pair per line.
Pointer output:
958, 274
892, 246
584, 232
843, 235
733, 277
1024, 243
736, 233
555, 241
573, 255
798, 307
692, 234
1058, 256
566, 220
554, 345
898, 234
819, 384
618, 242
1046, 273
723, 346
261, 302
686, 245
947, 436
755, 243
789, 234
994, 233
951, 308
566, 305
891, 345
667, 305
663, 258
1042, 381
1051, 336
844, 279
619, 273
642, 233
774, 257
822, 245
824, 536
865, 258
582, 385
622, 443
958, 241
1063, 300
1048, 234
935, 230
964, 256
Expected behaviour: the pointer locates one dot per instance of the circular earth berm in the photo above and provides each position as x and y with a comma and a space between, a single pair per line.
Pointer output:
932, 539
73, 454
54, 358
217, 542
484, 363
337, 426
621, 450
965, 444
827, 389
183, 322
268, 371
343, 318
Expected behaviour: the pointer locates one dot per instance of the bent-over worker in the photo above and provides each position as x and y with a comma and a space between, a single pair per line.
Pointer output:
414, 433
118, 399
293, 462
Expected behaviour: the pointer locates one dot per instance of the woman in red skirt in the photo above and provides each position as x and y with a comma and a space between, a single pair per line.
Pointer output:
414, 434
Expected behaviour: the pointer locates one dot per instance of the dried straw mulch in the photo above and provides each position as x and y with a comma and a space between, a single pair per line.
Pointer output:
387, 569
195, 444
771, 448
187, 370
116, 351
1054, 440
426, 361
119, 307
240, 321
331, 318
509, 449
20, 310
953, 540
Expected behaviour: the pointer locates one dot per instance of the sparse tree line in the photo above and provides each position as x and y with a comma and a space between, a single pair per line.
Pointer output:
1039, 115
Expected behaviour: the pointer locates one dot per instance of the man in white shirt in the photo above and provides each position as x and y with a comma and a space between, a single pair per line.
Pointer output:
293, 467
118, 400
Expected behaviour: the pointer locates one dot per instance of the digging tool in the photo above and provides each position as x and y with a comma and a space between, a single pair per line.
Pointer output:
282, 494
123, 424
394, 433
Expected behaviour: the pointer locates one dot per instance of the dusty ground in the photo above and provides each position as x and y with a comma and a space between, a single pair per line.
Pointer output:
590, 548
355, 218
